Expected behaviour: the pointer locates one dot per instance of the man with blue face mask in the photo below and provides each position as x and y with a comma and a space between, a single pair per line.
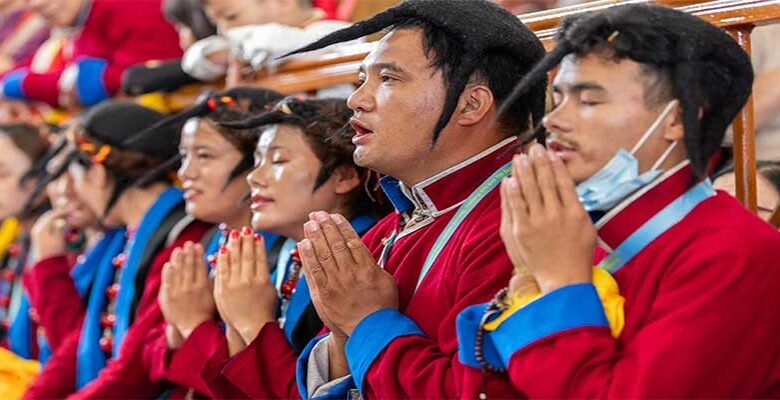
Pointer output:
642, 99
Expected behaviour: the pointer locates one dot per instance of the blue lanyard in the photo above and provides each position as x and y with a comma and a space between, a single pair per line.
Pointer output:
656, 226
463, 211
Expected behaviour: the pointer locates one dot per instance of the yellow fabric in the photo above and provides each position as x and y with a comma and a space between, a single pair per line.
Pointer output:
607, 289
16, 374
156, 101
8, 232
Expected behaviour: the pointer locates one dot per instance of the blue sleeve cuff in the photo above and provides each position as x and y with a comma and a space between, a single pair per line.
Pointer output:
468, 324
372, 335
13, 87
90, 88
570, 307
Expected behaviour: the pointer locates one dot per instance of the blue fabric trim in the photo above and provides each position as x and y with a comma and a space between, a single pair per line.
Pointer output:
167, 201
44, 350
468, 323
302, 366
370, 338
656, 226
301, 298
570, 307
90, 358
90, 88
20, 331
392, 188
13, 84
299, 301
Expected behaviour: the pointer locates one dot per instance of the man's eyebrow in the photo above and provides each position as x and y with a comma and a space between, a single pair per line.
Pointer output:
578, 87
382, 65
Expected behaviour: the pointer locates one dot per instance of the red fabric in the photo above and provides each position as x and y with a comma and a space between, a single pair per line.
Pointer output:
701, 313
127, 376
121, 32
52, 293
331, 7
470, 270
265, 369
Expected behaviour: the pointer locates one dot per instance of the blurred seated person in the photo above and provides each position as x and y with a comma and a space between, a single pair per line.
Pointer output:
766, 91
108, 38
519, 7
767, 186
252, 33
21, 33
192, 24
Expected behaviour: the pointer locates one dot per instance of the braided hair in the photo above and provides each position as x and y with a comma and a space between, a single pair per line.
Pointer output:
705, 69
324, 124
233, 105
499, 50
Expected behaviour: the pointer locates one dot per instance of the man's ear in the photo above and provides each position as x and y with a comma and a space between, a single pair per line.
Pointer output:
475, 104
345, 179
673, 126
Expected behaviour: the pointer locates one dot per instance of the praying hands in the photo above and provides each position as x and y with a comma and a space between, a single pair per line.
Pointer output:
185, 293
543, 225
346, 283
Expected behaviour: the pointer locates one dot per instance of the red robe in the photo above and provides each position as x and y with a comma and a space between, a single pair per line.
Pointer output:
700, 313
54, 297
126, 375
114, 36
412, 352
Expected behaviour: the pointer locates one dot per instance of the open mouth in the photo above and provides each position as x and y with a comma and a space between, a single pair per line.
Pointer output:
361, 131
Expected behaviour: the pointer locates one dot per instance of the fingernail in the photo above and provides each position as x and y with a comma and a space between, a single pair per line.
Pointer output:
258, 237
537, 151
338, 218
234, 234
311, 226
524, 160
305, 244
321, 216
223, 250
247, 231
552, 156
512, 183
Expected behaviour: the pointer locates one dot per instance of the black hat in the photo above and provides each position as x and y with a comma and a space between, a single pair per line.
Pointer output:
125, 125
219, 106
478, 25
709, 71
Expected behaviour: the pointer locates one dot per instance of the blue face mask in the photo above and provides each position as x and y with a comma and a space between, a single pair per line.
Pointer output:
620, 177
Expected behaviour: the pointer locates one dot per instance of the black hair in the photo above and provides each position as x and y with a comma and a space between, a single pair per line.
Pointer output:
32, 141
498, 69
687, 58
235, 104
190, 14
768, 169
324, 124
500, 49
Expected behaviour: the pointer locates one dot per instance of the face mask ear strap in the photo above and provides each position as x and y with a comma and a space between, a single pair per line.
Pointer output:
653, 127
664, 156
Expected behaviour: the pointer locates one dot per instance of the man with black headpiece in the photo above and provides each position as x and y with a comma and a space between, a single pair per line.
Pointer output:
425, 115
699, 273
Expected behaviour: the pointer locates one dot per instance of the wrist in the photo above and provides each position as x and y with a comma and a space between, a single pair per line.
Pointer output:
554, 283
249, 330
186, 329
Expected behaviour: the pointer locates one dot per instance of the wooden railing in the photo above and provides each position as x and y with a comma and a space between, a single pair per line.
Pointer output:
738, 17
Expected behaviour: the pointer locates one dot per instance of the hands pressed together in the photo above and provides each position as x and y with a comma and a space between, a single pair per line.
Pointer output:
547, 233
241, 291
